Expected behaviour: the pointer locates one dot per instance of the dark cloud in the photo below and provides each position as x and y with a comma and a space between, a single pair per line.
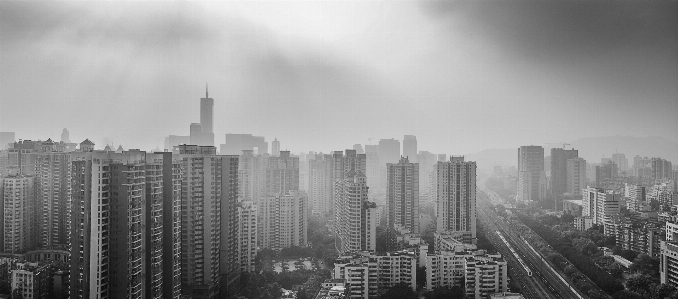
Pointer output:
563, 31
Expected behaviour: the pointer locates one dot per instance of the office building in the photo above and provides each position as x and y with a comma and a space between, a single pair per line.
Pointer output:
236, 143
321, 185
355, 215
531, 175
284, 220
456, 198
207, 119
599, 204
559, 157
403, 195
275, 148
18, 222
575, 177
6, 138
410, 148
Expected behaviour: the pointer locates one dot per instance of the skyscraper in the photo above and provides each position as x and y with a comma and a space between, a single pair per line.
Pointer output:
247, 235
284, 220
559, 157
661, 169
171, 219
196, 134
372, 164
403, 195
282, 174
236, 143
275, 147
604, 174
341, 165
456, 199
576, 177
53, 191
208, 220
65, 136
410, 148
531, 176
206, 119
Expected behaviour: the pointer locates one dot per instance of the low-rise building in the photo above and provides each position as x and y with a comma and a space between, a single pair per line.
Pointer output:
478, 273
583, 223
367, 274
32, 280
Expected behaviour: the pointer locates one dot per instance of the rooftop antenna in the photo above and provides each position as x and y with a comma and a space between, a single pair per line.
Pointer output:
207, 93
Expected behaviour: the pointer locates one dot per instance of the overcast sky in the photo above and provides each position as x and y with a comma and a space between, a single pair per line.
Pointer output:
321, 76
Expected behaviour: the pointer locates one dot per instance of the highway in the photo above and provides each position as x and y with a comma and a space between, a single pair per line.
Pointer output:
544, 282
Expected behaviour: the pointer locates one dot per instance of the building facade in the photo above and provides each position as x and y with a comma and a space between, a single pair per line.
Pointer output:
403, 195
456, 198
531, 176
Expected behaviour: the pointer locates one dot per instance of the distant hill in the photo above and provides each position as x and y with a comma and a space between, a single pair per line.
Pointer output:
590, 148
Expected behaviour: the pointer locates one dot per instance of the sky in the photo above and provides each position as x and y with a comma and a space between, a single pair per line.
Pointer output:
462, 76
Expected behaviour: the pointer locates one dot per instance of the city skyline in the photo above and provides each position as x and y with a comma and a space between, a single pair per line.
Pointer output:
553, 77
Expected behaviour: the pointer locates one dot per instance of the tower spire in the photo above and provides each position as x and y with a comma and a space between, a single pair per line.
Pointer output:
207, 93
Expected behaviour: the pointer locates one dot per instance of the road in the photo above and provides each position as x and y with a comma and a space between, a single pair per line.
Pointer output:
544, 280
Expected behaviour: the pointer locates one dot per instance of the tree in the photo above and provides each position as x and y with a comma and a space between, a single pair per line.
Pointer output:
567, 218
645, 264
639, 284
301, 294
446, 293
629, 254
399, 291
421, 277
661, 291
616, 250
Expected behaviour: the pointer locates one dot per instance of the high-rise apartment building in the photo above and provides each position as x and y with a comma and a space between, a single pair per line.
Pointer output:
599, 204
372, 164
208, 221
621, 161
635, 197
442, 157
171, 222
531, 176
108, 237
53, 198
341, 165
559, 157
247, 235
426, 161
321, 184
196, 134
661, 169
389, 152
403, 195
355, 216
605, 173
282, 174
284, 220
576, 177
410, 148
18, 220
456, 198
668, 263
275, 148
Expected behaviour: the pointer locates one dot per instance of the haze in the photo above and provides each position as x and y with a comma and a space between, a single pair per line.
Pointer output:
461, 76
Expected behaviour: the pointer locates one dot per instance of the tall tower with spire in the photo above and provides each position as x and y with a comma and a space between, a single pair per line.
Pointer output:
275, 148
207, 118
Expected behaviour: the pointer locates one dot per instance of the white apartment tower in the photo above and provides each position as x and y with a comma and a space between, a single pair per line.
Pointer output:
355, 216
456, 198
531, 175
284, 220
321, 184
599, 204
247, 235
